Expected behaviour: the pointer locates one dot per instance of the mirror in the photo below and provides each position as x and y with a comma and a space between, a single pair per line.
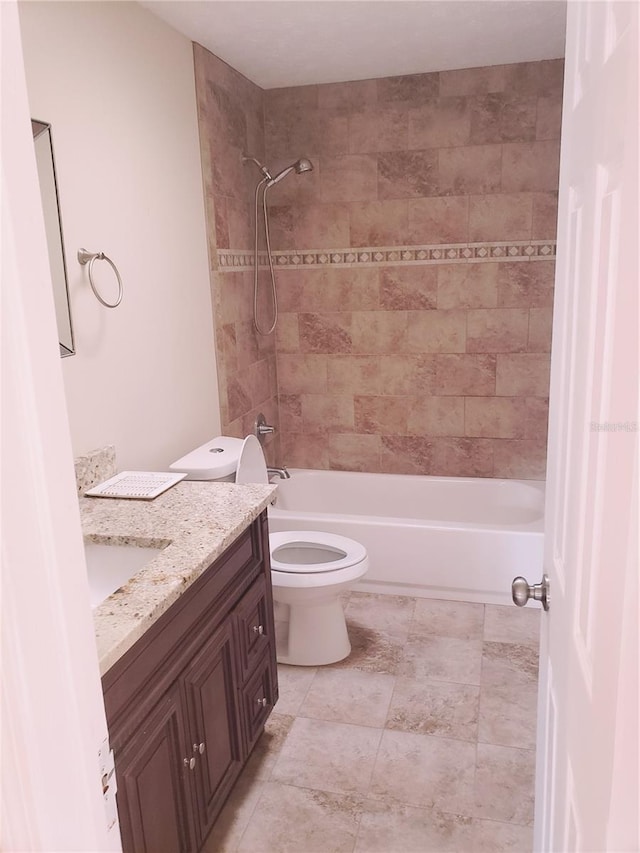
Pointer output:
53, 227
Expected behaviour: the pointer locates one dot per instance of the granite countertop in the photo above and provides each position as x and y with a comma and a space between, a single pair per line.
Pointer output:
194, 522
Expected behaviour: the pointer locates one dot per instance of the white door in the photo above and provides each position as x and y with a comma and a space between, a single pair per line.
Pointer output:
587, 772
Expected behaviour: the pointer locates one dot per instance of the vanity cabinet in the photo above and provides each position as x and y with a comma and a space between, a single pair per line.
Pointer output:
187, 703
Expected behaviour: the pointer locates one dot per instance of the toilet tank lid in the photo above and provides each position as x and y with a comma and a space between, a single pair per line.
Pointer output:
211, 461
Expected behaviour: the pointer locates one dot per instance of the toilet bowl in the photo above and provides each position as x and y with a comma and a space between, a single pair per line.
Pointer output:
309, 568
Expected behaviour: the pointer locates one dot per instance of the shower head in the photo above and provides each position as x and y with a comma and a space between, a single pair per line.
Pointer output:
300, 166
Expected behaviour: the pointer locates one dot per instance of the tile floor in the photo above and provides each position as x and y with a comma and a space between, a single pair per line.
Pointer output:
421, 740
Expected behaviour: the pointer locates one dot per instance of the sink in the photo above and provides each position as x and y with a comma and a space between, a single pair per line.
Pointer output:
111, 566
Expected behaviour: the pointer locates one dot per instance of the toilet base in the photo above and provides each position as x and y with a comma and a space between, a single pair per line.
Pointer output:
317, 633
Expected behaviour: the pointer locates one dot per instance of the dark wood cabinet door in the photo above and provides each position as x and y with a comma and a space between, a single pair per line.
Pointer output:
255, 626
210, 688
259, 696
153, 783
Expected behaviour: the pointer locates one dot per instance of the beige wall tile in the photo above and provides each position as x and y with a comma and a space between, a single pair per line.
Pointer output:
327, 332
462, 375
381, 223
440, 123
300, 450
290, 407
355, 374
473, 81
462, 457
287, 335
436, 331
318, 226
545, 216
525, 460
526, 285
406, 454
495, 417
408, 288
497, 329
378, 331
404, 374
325, 413
383, 128
467, 285
522, 375
347, 289
549, 118
381, 415
530, 166
540, 78
540, 328
353, 177
503, 117
354, 452
408, 87
347, 96
471, 169
302, 374
500, 217
438, 220
407, 174
436, 416
537, 418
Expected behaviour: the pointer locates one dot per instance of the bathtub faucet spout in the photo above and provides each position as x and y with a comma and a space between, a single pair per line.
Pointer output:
279, 472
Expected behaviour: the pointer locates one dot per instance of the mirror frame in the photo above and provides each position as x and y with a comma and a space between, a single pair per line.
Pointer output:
43, 145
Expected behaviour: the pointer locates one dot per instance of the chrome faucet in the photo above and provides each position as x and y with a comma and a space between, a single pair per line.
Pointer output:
280, 472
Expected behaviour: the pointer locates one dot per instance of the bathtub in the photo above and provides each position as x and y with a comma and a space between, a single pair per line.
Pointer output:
455, 538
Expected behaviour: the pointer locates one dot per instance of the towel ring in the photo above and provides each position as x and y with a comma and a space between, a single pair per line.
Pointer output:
85, 257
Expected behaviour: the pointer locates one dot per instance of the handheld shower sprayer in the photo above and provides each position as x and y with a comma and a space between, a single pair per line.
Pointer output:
268, 180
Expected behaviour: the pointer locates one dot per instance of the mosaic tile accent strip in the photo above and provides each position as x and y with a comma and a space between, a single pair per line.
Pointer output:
455, 253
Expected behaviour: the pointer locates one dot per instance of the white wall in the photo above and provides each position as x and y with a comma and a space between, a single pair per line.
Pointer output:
117, 86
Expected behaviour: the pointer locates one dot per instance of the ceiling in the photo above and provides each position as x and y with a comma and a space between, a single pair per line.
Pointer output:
295, 42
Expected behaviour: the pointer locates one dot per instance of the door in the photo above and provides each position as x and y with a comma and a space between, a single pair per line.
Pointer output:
587, 777
211, 693
153, 772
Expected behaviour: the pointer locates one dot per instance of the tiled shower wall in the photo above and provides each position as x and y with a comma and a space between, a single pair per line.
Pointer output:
415, 269
230, 115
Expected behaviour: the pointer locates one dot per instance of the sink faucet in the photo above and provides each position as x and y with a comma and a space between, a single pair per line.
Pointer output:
280, 472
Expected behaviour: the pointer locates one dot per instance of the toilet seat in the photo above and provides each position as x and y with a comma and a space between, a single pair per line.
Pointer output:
340, 552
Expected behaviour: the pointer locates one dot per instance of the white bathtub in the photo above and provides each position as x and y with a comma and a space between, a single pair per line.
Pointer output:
435, 537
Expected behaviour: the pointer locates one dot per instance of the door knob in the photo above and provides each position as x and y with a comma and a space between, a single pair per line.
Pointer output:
522, 591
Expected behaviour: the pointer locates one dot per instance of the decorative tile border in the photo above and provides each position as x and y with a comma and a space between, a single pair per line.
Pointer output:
450, 253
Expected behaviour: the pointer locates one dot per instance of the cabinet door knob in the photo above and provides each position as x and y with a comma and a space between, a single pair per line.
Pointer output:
198, 747
262, 702
258, 629
189, 762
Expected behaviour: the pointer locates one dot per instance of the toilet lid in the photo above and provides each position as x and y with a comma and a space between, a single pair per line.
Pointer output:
309, 551
252, 467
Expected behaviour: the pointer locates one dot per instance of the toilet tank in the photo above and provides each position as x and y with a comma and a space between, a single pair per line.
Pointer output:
215, 460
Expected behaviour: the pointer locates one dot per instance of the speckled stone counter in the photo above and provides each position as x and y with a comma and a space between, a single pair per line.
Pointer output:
194, 522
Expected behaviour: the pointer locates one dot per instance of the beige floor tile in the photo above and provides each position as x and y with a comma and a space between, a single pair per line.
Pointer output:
349, 696
504, 787
441, 658
506, 624
328, 756
508, 715
293, 685
420, 770
490, 836
437, 708
302, 820
508, 695
385, 614
371, 651
460, 619
509, 663
266, 751
234, 817
398, 828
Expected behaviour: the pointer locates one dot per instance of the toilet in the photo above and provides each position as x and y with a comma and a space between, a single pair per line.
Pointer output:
309, 568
